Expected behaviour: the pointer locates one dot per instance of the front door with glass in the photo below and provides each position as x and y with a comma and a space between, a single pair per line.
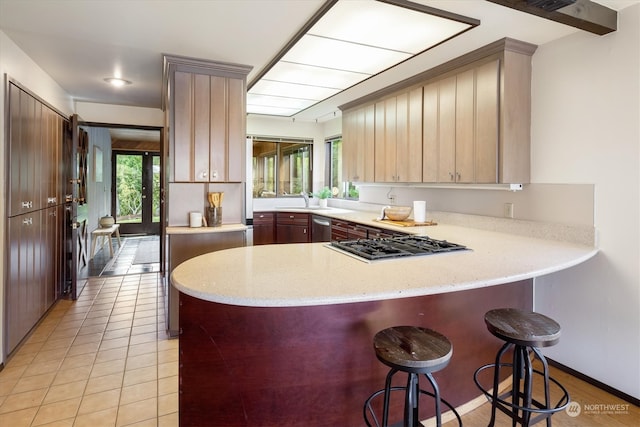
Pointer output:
136, 193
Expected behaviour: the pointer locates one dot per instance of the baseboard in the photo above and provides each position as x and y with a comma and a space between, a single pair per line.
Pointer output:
602, 386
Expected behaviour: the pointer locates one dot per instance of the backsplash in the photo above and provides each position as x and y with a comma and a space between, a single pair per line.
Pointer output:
188, 197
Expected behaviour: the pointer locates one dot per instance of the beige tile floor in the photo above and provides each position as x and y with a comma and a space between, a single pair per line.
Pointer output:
103, 360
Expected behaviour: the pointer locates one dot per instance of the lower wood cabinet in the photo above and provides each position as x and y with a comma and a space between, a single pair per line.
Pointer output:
264, 228
292, 227
34, 270
183, 247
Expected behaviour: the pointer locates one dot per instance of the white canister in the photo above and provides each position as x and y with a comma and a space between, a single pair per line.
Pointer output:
420, 211
195, 219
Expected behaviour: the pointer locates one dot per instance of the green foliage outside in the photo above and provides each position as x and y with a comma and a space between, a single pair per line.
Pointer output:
129, 188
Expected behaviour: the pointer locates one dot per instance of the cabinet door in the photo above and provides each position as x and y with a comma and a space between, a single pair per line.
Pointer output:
430, 133
236, 130
181, 151
292, 233
385, 140
349, 146
292, 227
16, 130
218, 131
264, 228
339, 230
447, 129
25, 298
409, 136
25, 152
465, 121
201, 116
51, 151
358, 139
487, 122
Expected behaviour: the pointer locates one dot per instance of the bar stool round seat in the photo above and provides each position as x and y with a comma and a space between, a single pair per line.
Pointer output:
525, 332
416, 351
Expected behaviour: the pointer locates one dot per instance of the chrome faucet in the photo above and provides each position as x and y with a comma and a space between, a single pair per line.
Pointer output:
305, 196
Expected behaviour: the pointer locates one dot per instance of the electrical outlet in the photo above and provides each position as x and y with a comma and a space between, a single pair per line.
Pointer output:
508, 210
392, 199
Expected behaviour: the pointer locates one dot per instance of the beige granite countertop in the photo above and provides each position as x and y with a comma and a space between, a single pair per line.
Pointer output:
306, 274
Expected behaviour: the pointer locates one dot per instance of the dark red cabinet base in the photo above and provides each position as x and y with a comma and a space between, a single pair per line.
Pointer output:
315, 366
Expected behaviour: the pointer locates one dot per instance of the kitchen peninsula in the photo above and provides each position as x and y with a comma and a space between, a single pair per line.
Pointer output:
274, 335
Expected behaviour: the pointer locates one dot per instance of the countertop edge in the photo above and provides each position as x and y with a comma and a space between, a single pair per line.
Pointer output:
360, 295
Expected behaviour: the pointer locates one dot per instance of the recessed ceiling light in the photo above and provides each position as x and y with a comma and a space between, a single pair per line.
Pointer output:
117, 82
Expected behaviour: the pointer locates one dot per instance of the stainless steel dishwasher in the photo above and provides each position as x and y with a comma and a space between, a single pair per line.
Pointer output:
320, 229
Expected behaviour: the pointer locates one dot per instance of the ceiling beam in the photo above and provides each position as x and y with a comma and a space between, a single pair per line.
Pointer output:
583, 14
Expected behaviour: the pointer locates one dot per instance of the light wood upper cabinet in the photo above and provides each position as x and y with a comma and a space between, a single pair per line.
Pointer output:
487, 119
358, 144
439, 126
209, 128
460, 131
398, 138
473, 121
207, 116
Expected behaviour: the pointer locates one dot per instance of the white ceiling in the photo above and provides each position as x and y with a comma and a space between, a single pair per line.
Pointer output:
80, 42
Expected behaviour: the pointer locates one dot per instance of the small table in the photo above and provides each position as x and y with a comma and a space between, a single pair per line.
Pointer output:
105, 233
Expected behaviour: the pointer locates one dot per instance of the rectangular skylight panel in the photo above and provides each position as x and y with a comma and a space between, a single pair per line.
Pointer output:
292, 90
384, 25
279, 101
271, 111
329, 53
317, 76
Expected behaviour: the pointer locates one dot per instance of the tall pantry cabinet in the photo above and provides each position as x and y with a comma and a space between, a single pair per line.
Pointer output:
35, 211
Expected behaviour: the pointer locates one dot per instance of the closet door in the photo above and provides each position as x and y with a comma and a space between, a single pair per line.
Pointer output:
25, 297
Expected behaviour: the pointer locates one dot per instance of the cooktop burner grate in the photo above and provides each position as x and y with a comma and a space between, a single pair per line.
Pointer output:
396, 247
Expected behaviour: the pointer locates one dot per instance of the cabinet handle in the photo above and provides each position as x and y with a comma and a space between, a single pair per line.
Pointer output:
305, 231
458, 177
291, 216
214, 175
28, 221
450, 176
203, 174
51, 200
28, 204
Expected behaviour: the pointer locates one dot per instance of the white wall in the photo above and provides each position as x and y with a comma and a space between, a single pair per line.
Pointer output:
586, 129
119, 114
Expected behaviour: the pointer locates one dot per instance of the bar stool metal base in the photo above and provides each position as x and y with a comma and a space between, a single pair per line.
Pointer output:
522, 407
412, 396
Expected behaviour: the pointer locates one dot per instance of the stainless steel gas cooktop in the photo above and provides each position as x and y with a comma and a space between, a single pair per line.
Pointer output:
395, 247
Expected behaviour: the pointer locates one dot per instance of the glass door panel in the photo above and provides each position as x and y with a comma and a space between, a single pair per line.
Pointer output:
137, 192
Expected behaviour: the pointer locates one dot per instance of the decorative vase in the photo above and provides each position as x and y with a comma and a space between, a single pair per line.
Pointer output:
322, 203
106, 221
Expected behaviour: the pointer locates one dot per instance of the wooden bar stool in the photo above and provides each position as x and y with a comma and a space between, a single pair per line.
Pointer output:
416, 351
525, 332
